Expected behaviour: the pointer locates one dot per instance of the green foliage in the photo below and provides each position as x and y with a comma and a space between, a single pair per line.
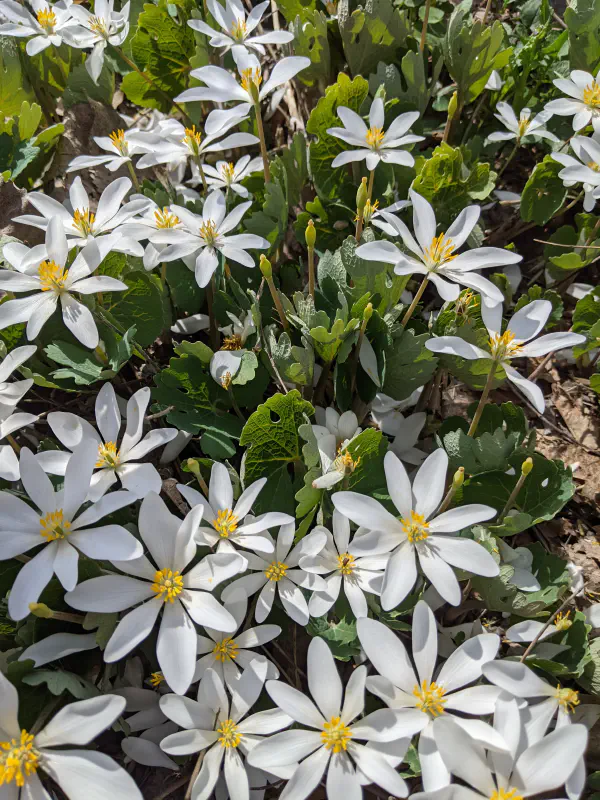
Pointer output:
14, 86
582, 18
373, 32
409, 364
340, 636
410, 86
59, 681
310, 40
141, 304
586, 320
538, 293
544, 192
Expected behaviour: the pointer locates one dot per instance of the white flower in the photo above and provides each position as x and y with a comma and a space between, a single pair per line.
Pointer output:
79, 773
226, 521
227, 175
343, 427
584, 169
331, 743
333, 434
357, 574
80, 224
222, 728
519, 771
515, 342
524, 126
583, 101
54, 523
11, 420
406, 431
494, 82
225, 365
45, 273
577, 576
45, 29
183, 597
374, 143
530, 629
203, 237
282, 575
97, 30
436, 256
521, 560
400, 686
416, 534
237, 28
114, 462
173, 144
239, 330
230, 654
152, 218
120, 147
222, 87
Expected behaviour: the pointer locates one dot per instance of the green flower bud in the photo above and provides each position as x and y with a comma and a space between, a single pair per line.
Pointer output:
265, 267
310, 234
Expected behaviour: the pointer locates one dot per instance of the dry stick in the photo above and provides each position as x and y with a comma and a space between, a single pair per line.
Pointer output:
509, 159
486, 13
543, 630
415, 301
482, 401
425, 23
173, 788
202, 175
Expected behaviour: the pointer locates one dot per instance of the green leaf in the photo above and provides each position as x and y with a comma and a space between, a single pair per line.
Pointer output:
368, 448
294, 363
23, 154
409, 364
544, 192
59, 681
371, 33
247, 369
217, 445
14, 86
582, 18
297, 8
310, 40
29, 118
103, 624
140, 305
79, 364
81, 88
185, 292
411, 85
271, 222
340, 636
329, 183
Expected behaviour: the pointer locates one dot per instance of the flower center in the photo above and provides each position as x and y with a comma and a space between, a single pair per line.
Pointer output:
52, 277
108, 455
276, 571
430, 698
251, 78
346, 564
18, 759
46, 20
208, 231
415, 527
567, 698
226, 522
502, 346
336, 735
506, 794
227, 172
230, 734
523, 125
155, 679
562, 621
232, 342
344, 462
167, 584
239, 30
118, 139
593, 165
225, 650
440, 250
98, 25
165, 219
192, 139
591, 94
84, 221
54, 526
374, 137
225, 380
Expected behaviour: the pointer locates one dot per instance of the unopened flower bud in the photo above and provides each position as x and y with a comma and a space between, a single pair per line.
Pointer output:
526, 466
459, 478
362, 196
265, 267
368, 312
310, 235
41, 610
452, 106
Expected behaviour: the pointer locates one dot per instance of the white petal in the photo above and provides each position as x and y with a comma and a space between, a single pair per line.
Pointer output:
79, 723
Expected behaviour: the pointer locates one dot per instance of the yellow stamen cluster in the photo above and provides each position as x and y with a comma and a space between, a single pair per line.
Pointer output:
226, 523
467, 301
239, 30
192, 139
430, 698
374, 137
18, 760
227, 172
155, 679
167, 584
84, 220
336, 735
98, 25
523, 125
562, 621
165, 219
506, 794
276, 571
230, 734
54, 526
415, 527
369, 209
225, 650
251, 78
593, 165
232, 342
108, 455
118, 139
52, 277
591, 94
440, 250
346, 563
208, 231
46, 20
567, 698
226, 379
344, 462
502, 346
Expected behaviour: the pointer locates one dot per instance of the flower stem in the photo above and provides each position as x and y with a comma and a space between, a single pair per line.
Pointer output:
525, 470
486, 12
134, 178
267, 271
482, 400
415, 301
234, 404
210, 299
425, 23
58, 60
149, 80
263, 144
16, 447
457, 481
311, 272
202, 175
163, 274
543, 630
509, 159
371, 182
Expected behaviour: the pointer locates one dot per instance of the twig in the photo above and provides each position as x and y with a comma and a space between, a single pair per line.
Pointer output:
541, 632
159, 414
